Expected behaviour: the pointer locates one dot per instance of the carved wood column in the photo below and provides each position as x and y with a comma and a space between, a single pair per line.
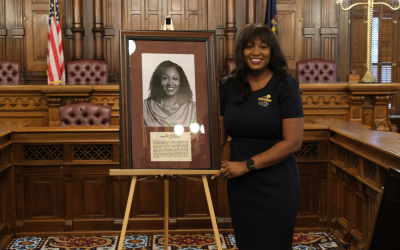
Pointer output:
356, 108
381, 112
54, 104
250, 11
98, 29
78, 32
230, 32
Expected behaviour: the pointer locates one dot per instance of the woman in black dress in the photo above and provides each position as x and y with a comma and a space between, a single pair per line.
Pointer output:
261, 110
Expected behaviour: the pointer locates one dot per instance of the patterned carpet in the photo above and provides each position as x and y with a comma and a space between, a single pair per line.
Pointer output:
311, 241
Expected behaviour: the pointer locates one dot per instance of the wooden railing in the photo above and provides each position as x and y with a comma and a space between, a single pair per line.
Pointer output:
62, 185
361, 103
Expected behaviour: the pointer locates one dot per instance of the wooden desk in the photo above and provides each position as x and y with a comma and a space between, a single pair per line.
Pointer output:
62, 178
362, 103
7, 182
359, 161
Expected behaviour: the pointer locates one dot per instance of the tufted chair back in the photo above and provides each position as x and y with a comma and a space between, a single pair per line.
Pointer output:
87, 72
93, 115
10, 72
316, 70
230, 65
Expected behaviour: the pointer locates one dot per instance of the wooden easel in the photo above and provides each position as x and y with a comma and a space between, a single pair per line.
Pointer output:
139, 172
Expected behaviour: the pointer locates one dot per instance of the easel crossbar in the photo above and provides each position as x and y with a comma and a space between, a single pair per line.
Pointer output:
143, 172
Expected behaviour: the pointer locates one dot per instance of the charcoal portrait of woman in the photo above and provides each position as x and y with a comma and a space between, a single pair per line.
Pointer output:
170, 100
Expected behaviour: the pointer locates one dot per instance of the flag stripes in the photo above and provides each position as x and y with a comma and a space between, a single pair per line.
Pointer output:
55, 55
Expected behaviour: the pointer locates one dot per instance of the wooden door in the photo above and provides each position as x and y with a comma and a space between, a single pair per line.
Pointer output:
290, 23
37, 19
176, 8
135, 18
153, 14
195, 15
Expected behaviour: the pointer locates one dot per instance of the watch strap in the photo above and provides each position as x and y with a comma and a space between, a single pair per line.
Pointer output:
250, 164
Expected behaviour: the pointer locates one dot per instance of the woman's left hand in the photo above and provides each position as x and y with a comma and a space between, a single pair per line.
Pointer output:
231, 169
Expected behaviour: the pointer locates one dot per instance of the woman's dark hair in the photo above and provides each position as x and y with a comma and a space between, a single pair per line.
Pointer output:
184, 93
277, 63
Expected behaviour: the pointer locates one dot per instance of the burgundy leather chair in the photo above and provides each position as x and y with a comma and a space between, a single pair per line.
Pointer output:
230, 66
87, 72
316, 71
10, 72
85, 114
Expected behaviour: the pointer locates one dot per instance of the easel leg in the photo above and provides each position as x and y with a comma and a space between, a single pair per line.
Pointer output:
127, 211
166, 214
212, 214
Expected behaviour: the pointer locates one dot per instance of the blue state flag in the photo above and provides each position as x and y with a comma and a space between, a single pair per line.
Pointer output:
271, 19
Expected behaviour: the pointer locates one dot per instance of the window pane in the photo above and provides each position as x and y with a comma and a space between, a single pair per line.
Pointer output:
375, 40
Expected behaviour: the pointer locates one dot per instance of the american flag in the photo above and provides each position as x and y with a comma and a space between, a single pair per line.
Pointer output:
55, 56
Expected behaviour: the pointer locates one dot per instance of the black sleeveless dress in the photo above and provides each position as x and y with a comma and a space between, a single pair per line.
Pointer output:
263, 203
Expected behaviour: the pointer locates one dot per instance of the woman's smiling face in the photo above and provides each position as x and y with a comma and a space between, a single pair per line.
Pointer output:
170, 81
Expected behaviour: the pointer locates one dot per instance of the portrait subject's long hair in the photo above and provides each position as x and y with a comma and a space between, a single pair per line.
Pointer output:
277, 63
184, 94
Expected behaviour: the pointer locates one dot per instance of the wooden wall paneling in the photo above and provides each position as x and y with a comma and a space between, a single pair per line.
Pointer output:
308, 213
7, 205
37, 14
135, 15
329, 45
196, 17
93, 193
217, 21
192, 206
69, 200
148, 211
358, 41
19, 195
343, 65
18, 33
290, 31
173, 204
308, 44
176, 9
153, 14
330, 14
311, 26
44, 195
112, 25
118, 209
3, 30
88, 39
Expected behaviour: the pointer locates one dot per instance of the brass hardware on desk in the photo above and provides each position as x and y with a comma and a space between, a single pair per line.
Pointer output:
25, 18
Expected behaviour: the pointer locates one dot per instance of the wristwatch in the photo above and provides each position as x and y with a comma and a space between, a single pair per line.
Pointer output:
250, 164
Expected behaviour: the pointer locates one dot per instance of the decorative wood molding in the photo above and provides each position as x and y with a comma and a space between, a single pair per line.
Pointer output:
18, 6
78, 32
230, 30
250, 11
98, 29
2, 14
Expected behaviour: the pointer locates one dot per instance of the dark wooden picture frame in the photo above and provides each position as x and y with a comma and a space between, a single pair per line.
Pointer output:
134, 135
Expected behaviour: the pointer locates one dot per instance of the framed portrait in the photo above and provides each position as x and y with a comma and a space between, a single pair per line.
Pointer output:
169, 109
